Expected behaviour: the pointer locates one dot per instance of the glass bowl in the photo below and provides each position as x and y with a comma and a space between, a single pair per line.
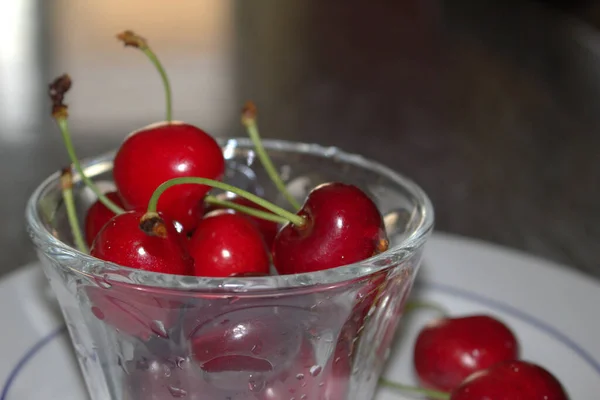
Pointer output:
316, 336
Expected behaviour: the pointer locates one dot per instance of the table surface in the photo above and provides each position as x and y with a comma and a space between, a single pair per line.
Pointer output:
492, 108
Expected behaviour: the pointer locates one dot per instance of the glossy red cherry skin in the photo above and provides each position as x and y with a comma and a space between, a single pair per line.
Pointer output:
343, 226
268, 229
136, 311
226, 243
98, 215
122, 242
511, 380
160, 152
450, 349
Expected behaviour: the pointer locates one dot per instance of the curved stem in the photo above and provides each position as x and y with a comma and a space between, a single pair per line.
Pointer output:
163, 75
66, 181
64, 129
430, 394
415, 305
249, 121
129, 38
246, 210
288, 216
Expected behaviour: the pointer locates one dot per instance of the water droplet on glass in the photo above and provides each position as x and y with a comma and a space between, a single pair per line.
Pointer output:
337, 360
327, 336
159, 328
102, 282
300, 376
303, 397
179, 361
177, 392
233, 299
256, 385
315, 370
167, 371
257, 348
142, 364
122, 365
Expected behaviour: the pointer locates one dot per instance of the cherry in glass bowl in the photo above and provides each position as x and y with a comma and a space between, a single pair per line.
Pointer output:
315, 336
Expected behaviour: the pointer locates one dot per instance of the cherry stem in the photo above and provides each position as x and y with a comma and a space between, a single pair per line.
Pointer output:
64, 129
415, 305
66, 183
249, 121
286, 215
60, 112
245, 209
430, 394
129, 38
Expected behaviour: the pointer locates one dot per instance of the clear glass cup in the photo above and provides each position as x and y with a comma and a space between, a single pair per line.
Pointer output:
316, 336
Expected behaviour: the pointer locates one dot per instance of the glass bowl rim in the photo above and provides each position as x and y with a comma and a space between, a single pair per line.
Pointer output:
43, 238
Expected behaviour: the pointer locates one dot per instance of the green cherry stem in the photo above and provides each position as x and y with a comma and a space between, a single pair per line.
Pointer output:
430, 394
245, 210
66, 183
414, 305
57, 91
249, 121
284, 214
129, 38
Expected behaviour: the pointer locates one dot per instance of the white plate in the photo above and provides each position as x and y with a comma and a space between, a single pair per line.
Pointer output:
554, 311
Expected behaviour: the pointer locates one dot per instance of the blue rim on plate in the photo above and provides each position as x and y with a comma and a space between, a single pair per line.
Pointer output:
447, 289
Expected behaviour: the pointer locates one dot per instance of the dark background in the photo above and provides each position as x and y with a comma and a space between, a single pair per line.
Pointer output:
491, 106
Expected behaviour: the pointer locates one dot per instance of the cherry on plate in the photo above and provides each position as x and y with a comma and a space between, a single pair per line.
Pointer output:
160, 152
449, 349
511, 380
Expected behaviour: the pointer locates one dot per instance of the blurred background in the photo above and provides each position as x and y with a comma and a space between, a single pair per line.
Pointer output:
492, 106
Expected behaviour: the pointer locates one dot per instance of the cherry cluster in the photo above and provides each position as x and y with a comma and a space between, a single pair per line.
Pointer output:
163, 216
166, 217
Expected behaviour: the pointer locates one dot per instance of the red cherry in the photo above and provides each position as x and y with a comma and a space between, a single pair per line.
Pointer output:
161, 152
450, 349
121, 241
267, 228
137, 312
98, 215
227, 243
511, 380
343, 226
